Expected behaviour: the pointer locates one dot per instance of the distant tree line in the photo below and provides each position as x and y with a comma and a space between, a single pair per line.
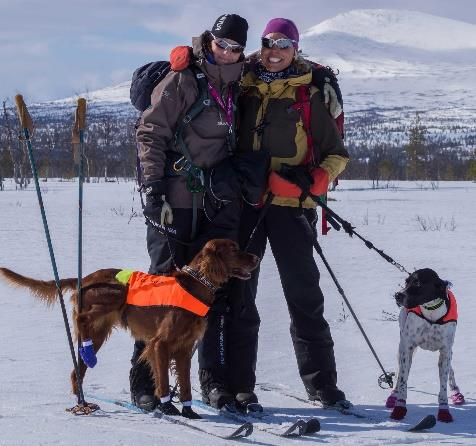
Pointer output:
419, 158
110, 150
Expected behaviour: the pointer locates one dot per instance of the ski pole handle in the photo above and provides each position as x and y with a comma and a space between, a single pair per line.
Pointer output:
80, 123
23, 115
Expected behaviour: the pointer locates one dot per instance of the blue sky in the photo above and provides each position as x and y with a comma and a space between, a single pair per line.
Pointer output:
51, 49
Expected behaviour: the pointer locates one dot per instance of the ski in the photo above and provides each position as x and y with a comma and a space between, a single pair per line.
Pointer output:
343, 409
242, 431
302, 427
299, 428
427, 422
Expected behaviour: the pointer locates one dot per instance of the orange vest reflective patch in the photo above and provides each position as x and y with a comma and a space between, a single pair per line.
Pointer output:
450, 316
146, 290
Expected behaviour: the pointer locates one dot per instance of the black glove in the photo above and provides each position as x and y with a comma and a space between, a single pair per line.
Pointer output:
156, 208
299, 175
252, 168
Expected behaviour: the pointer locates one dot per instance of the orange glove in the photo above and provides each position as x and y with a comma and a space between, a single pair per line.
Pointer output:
321, 182
281, 187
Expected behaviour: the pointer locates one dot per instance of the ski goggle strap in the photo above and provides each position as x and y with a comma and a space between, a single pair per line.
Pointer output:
282, 43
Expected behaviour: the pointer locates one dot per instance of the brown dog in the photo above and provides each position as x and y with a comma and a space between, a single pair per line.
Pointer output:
169, 332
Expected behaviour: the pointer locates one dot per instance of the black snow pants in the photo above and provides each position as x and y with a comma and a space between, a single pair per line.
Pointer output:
285, 229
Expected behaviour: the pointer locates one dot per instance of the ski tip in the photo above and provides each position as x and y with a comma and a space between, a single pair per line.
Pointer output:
312, 426
425, 423
245, 430
295, 429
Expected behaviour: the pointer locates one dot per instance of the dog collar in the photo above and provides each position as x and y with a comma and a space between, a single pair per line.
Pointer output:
200, 277
435, 306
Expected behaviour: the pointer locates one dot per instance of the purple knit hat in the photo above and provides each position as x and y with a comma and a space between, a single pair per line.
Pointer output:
283, 26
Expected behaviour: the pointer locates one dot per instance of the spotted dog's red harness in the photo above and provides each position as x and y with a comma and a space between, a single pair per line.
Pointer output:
450, 316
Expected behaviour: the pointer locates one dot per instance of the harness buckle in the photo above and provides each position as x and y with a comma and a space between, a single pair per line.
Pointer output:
180, 164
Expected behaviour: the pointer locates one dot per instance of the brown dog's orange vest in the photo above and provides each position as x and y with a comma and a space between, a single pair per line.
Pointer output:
450, 316
146, 290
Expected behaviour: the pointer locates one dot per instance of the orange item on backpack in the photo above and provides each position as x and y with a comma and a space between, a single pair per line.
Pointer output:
146, 290
180, 58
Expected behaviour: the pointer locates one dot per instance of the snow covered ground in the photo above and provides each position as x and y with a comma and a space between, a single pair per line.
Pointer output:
34, 355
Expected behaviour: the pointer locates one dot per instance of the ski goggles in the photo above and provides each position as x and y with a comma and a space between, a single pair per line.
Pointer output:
227, 46
281, 43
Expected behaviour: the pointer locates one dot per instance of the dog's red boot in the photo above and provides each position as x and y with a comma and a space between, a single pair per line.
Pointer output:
391, 400
457, 398
399, 411
444, 414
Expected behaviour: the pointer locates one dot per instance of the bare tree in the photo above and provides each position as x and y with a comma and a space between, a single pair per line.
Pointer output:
17, 155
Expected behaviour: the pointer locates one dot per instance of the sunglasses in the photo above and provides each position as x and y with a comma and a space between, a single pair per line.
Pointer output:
224, 45
282, 43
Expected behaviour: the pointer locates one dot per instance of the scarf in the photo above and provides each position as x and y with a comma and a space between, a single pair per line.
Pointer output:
268, 76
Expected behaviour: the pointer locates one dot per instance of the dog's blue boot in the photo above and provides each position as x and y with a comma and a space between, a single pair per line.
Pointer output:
88, 354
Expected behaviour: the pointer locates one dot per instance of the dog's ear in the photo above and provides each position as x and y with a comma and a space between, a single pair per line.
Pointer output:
444, 284
212, 264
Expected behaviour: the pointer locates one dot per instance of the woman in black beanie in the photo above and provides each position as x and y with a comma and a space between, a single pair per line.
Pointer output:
172, 204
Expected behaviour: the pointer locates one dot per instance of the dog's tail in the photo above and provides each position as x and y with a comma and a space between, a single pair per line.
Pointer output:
43, 289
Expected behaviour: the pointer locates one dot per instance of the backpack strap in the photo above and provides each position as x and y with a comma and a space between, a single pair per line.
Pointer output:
184, 165
303, 106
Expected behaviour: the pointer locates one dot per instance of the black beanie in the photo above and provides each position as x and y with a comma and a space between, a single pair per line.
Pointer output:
231, 26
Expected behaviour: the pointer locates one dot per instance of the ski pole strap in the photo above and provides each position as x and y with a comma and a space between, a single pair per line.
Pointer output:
349, 229
163, 231
264, 210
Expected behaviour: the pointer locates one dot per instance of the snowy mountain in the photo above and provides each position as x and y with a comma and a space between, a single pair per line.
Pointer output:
392, 64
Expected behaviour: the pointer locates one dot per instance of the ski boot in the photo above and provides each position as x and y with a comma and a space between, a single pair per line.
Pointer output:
331, 396
247, 402
142, 387
218, 397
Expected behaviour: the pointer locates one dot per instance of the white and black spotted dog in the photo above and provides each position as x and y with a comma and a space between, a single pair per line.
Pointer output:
428, 320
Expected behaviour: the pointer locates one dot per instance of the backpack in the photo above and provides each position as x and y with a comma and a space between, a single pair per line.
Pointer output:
144, 80
325, 79
148, 76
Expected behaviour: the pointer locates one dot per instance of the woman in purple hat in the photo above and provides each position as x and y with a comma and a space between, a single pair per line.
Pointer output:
307, 153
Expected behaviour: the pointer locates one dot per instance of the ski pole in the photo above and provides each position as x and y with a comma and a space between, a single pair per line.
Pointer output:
78, 145
386, 377
27, 126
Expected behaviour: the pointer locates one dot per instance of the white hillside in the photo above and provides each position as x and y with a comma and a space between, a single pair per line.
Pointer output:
404, 28
387, 43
